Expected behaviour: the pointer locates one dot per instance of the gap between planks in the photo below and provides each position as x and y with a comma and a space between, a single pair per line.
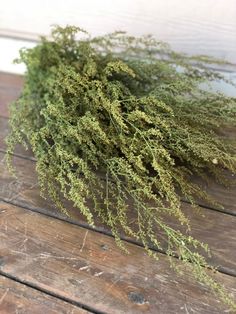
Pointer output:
33, 202
202, 205
56, 217
15, 283
10, 77
224, 210
101, 230
120, 282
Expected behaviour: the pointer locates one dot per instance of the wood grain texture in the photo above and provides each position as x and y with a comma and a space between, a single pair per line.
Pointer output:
215, 229
10, 88
76, 263
225, 196
209, 226
19, 298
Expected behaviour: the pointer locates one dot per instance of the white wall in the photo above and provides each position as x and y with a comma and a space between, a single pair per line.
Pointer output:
192, 26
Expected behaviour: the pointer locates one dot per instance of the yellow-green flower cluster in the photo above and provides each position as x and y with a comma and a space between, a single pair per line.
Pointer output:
118, 126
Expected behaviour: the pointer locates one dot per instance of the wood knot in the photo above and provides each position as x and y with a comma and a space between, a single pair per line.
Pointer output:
136, 297
104, 247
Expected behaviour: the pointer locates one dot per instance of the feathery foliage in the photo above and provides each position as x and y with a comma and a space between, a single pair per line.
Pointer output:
122, 124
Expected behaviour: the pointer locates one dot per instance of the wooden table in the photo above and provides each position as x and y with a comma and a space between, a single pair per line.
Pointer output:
53, 264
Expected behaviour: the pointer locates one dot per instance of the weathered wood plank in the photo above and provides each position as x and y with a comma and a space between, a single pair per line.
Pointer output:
214, 228
19, 298
77, 264
224, 196
10, 88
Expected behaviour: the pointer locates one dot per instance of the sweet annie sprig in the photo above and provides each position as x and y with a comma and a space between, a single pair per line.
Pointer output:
119, 125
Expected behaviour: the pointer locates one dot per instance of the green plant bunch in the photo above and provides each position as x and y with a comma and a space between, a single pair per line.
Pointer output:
119, 126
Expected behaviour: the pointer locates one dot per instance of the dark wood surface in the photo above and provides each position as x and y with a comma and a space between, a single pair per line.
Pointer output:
10, 87
209, 226
87, 267
48, 255
19, 298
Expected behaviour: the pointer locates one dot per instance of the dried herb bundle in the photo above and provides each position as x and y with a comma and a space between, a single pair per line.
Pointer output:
123, 124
